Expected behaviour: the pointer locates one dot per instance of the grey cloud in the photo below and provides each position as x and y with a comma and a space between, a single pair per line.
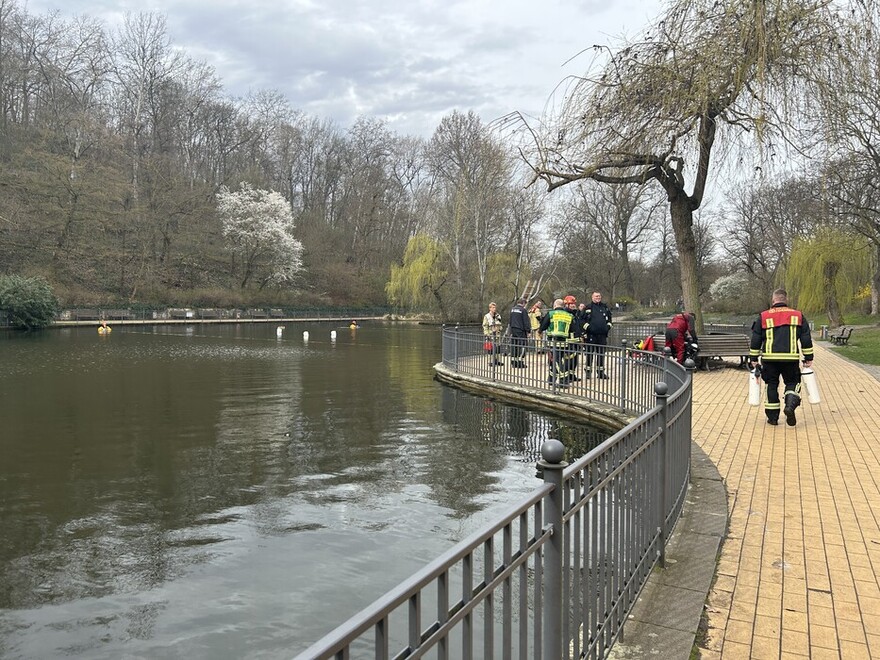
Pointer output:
408, 62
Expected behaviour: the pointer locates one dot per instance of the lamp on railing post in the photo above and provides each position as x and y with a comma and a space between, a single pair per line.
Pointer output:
661, 390
552, 466
621, 369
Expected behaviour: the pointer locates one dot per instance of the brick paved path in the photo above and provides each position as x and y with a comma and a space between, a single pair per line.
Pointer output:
798, 572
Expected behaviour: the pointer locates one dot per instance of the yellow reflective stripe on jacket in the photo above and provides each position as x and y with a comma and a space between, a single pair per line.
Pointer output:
560, 321
769, 336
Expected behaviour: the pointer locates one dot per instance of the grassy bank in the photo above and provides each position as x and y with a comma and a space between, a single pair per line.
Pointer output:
863, 346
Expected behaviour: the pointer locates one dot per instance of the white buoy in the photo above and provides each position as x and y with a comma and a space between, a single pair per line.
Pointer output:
279, 331
333, 334
305, 335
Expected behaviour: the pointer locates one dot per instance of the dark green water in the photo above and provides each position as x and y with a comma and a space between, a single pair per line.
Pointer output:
219, 492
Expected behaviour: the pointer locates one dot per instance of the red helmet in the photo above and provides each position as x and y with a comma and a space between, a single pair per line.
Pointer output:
570, 300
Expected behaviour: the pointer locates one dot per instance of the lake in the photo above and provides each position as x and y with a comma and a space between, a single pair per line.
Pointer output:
219, 491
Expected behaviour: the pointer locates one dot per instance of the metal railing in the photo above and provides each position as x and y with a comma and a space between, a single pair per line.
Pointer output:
140, 314
557, 574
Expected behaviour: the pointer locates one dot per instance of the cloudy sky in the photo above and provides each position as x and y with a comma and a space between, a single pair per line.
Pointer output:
408, 61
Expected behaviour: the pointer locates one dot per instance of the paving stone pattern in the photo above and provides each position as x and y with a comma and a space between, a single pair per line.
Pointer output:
798, 571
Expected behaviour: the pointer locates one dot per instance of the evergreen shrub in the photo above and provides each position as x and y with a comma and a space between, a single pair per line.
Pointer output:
28, 301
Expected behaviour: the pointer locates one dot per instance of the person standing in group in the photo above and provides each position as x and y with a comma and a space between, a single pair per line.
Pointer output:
596, 319
492, 333
556, 325
536, 313
575, 337
519, 333
779, 336
680, 329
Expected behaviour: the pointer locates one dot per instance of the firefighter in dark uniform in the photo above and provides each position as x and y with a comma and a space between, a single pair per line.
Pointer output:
556, 325
779, 336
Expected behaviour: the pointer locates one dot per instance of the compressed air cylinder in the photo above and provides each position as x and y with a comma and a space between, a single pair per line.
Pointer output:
754, 388
808, 380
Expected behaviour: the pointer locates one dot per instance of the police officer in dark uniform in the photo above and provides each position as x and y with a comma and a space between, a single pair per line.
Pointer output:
519, 333
596, 319
779, 336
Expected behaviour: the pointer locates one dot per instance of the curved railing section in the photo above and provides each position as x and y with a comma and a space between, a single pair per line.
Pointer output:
557, 574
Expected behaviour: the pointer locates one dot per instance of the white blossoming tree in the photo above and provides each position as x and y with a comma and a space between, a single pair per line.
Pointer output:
258, 227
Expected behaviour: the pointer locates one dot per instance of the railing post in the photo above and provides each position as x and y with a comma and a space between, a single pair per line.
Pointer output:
661, 390
622, 369
552, 466
455, 346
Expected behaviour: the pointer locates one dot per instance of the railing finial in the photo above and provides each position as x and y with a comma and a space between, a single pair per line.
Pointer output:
552, 451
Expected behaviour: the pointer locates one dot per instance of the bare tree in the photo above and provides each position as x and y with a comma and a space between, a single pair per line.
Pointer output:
473, 171
621, 216
762, 223
849, 91
652, 109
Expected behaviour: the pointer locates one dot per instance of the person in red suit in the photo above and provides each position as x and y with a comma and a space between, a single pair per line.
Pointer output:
678, 330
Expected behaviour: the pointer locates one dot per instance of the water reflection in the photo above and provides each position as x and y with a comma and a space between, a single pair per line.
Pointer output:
519, 431
217, 491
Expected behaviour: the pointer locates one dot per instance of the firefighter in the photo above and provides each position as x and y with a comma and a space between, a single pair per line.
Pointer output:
556, 325
779, 336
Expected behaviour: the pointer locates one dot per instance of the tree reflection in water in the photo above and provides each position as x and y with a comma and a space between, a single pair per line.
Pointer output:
520, 431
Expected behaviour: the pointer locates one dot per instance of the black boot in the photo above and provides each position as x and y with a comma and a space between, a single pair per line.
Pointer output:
792, 401
602, 374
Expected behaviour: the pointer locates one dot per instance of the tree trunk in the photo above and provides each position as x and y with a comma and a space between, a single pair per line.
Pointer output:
829, 272
683, 228
875, 284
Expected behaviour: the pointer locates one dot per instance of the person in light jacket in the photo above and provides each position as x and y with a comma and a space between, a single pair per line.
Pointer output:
492, 333
536, 315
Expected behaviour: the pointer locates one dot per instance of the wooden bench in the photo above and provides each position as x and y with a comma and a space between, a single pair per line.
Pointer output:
118, 314
714, 346
207, 313
257, 313
720, 346
276, 313
841, 337
85, 315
